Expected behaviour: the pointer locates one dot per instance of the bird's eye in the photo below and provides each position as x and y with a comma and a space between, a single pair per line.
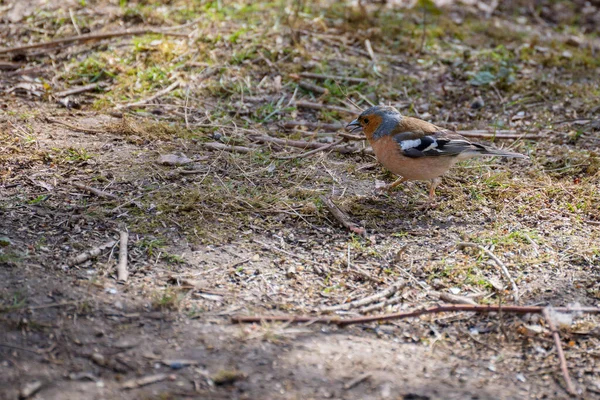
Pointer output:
366, 120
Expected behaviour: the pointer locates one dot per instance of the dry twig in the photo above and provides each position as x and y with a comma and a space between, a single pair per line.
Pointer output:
342, 217
498, 263
319, 106
86, 38
314, 151
323, 77
80, 89
95, 252
122, 273
226, 147
311, 125
408, 314
503, 134
150, 99
73, 127
390, 290
97, 192
143, 381
559, 351
313, 88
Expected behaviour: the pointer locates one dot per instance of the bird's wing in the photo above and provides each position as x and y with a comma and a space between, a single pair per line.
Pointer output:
434, 144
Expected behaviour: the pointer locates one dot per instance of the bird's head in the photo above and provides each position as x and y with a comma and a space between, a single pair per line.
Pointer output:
376, 121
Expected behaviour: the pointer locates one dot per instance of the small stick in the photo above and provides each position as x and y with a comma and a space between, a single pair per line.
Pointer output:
227, 147
85, 38
95, 191
314, 151
95, 252
502, 134
8, 66
452, 298
498, 263
324, 77
143, 381
343, 149
319, 106
342, 217
72, 14
311, 125
372, 55
380, 305
356, 381
408, 314
313, 88
80, 89
559, 351
158, 94
122, 273
387, 292
73, 127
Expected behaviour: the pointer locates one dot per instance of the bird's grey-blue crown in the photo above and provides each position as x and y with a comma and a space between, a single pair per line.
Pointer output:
390, 118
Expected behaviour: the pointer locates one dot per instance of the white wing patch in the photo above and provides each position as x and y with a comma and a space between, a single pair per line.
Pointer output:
433, 145
409, 144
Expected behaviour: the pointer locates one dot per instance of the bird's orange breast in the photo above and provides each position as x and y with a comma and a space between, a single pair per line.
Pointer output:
389, 154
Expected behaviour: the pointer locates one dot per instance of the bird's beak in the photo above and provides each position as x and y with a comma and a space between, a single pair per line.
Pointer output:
353, 126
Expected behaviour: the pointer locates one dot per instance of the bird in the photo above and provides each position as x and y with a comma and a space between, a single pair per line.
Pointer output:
415, 149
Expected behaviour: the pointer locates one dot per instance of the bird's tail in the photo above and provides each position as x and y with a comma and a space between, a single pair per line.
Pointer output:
482, 150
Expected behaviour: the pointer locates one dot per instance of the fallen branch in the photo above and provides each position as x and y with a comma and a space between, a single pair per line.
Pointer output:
143, 381
86, 38
9, 66
378, 306
502, 134
95, 191
498, 263
342, 217
122, 273
148, 100
310, 153
80, 89
313, 88
323, 77
73, 127
343, 149
95, 252
319, 106
387, 292
226, 147
452, 298
311, 125
559, 351
341, 322
373, 58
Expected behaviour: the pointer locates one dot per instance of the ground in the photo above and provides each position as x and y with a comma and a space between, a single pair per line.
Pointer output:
231, 233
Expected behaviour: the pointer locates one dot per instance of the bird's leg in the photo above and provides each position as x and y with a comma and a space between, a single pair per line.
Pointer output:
388, 188
434, 184
430, 203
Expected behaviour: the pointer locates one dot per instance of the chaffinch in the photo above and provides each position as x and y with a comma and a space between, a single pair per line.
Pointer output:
415, 149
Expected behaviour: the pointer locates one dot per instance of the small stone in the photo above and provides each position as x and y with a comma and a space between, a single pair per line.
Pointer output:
255, 257
99, 359
291, 272
521, 377
477, 103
